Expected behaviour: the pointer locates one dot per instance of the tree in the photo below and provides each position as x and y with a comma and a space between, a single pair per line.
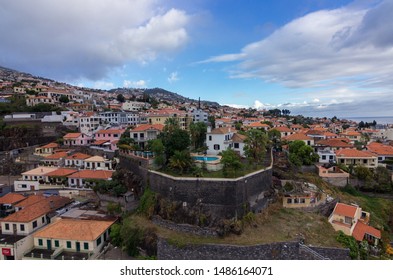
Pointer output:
158, 149
181, 160
230, 161
301, 154
173, 138
255, 145
383, 179
212, 121
362, 172
120, 98
285, 112
64, 99
198, 134
275, 137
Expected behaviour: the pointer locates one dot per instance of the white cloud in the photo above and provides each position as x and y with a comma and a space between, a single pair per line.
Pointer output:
134, 84
173, 77
238, 106
103, 85
86, 39
336, 48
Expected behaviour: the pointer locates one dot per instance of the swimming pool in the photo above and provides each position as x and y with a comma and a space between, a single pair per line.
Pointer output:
207, 158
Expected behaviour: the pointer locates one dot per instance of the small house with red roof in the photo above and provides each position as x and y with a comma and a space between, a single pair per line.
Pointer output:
384, 152
355, 157
46, 150
145, 132
76, 160
84, 178
77, 139
353, 221
309, 141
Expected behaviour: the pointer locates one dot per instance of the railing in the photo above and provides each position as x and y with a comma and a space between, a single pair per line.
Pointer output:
317, 255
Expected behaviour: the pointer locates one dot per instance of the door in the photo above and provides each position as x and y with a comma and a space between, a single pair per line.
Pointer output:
78, 246
49, 244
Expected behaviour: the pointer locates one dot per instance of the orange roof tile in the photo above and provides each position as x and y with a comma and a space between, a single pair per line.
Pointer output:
73, 229
222, 130
58, 155
99, 142
345, 210
258, 124
50, 145
352, 133
72, 135
380, 149
361, 229
354, 153
38, 209
297, 136
11, 198
334, 143
92, 174
61, 172
30, 200
78, 156
144, 127
239, 138
283, 129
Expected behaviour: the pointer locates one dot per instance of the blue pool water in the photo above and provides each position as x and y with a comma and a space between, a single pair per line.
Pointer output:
205, 158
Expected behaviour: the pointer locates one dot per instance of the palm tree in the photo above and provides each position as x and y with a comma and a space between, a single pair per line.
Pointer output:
180, 160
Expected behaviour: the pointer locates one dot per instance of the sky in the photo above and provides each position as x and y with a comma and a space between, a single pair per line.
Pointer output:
313, 57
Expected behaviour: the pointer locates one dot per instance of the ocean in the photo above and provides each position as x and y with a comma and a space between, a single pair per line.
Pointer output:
379, 120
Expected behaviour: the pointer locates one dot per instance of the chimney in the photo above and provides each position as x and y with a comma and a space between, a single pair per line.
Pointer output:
209, 129
51, 204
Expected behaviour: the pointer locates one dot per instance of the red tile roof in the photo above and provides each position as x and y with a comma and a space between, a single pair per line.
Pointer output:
61, 172
58, 155
144, 127
11, 198
50, 145
345, 210
258, 124
222, 130
78, 156
297, 136
92, 174
361, 229
73, 229
30, 200
283, 129
99, 142
337, 143
38, 209
380, 149
72, 135
354, 153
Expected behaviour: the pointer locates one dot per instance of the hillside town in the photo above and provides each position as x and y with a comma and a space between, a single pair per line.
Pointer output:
76, 161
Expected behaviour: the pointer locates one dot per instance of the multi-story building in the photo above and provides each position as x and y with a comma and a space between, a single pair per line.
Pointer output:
145, 132
120, 118
160, 116
135, 106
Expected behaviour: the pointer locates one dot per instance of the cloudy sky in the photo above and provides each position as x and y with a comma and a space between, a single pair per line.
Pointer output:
314, 57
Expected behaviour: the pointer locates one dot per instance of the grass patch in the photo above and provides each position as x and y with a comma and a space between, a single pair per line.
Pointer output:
276, 224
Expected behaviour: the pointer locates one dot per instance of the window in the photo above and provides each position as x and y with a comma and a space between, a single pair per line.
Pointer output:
210, 138
348, 220
69, 244
57, 243
23, 186
22, 227
7, 226
40, 242
216, 147
289, 200
365, 161
236, 145
342, 160
323, 157
86, 246
302, 200
135, 135
43, 220
34, 224
99, 241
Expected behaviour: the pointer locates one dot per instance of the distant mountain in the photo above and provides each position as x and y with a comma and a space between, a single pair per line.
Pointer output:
158, 93
161, 94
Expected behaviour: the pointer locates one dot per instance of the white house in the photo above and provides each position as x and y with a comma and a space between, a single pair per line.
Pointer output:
220, 139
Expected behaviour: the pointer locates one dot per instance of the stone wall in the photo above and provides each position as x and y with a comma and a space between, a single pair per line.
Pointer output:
273, 251
226, 198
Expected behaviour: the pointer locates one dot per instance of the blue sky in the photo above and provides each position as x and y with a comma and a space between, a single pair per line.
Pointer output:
313, 57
